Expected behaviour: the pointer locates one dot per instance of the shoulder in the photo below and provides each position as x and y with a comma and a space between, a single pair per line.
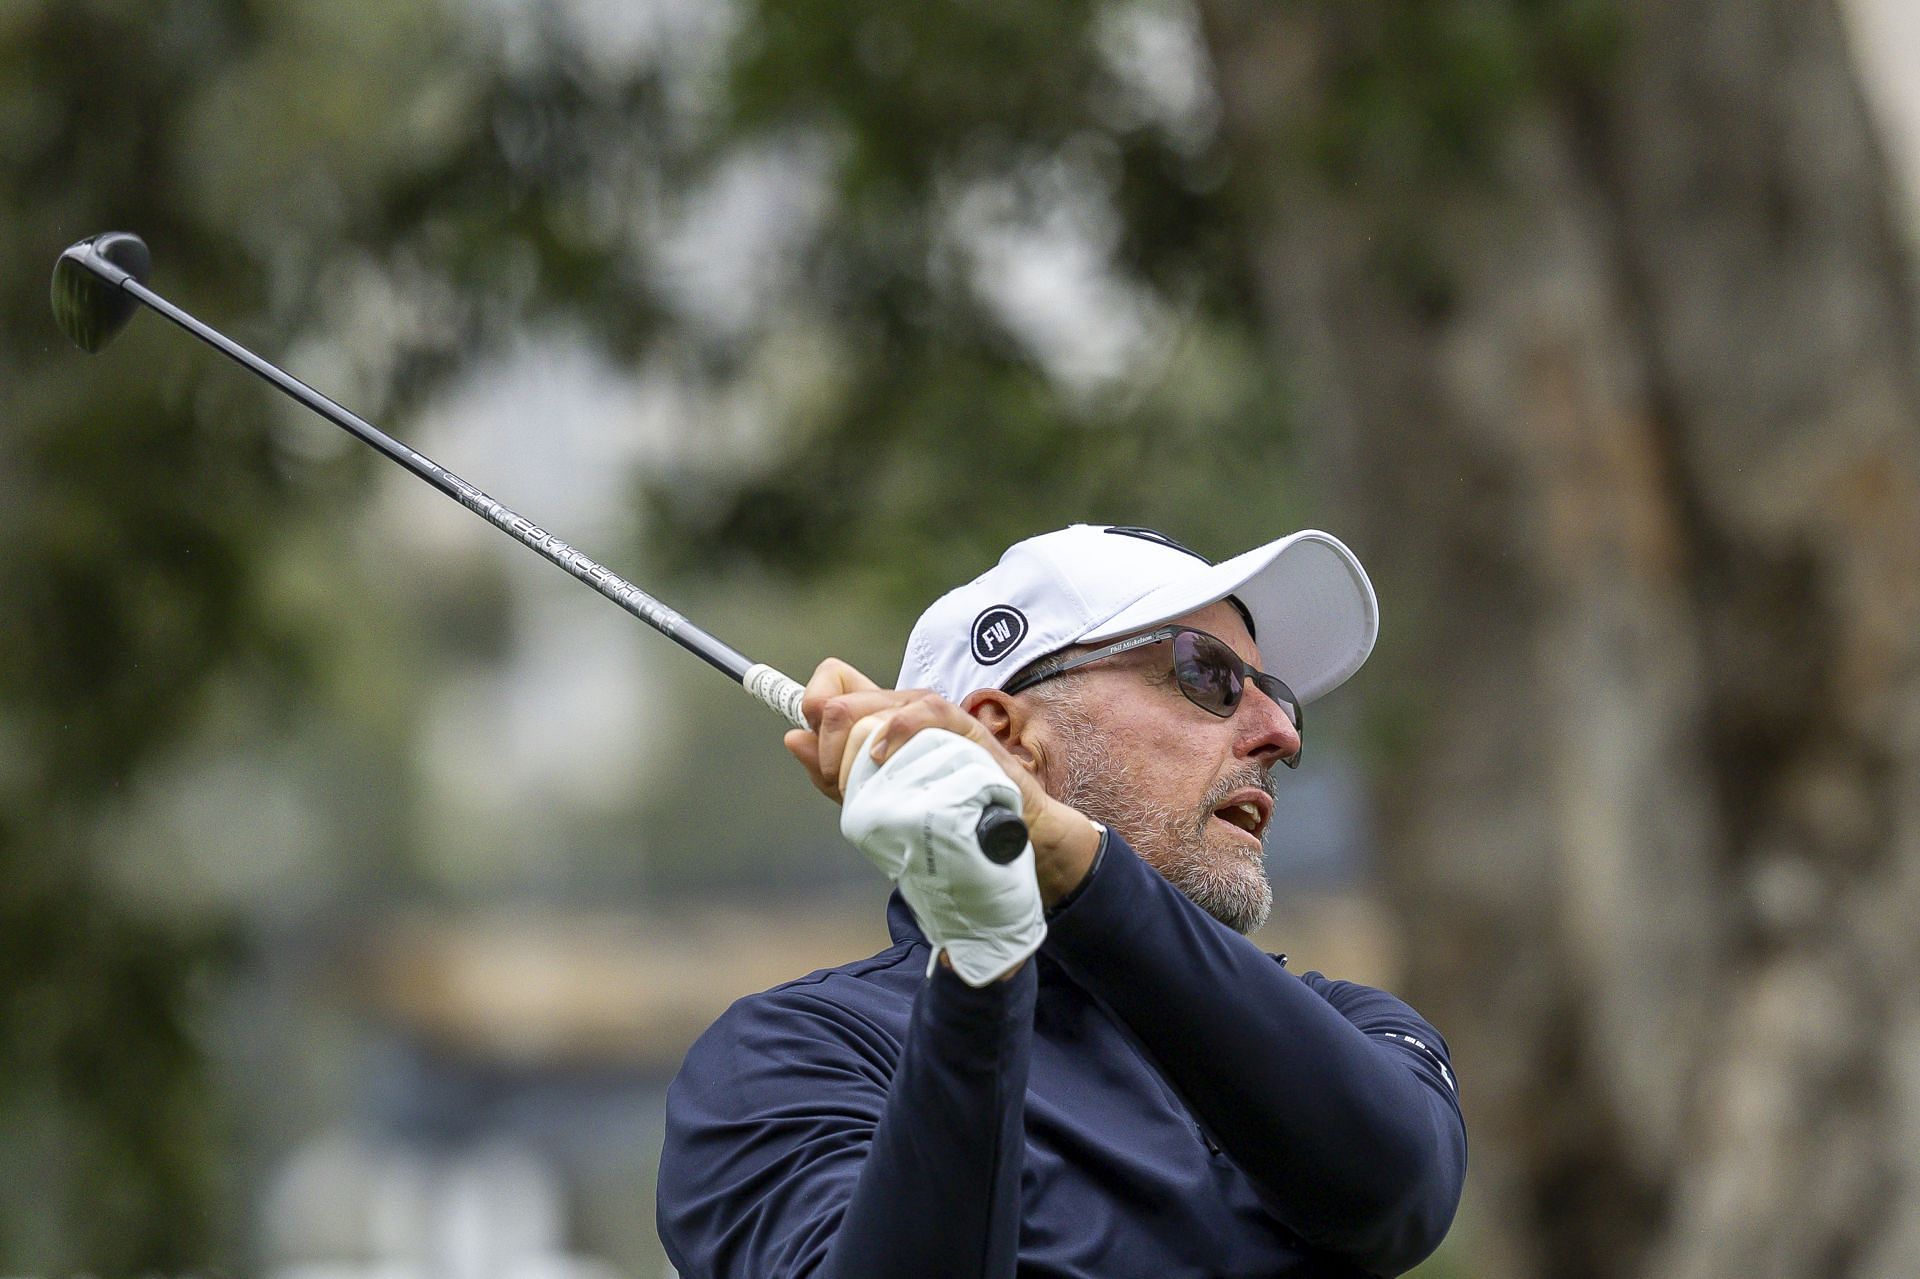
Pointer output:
1390, 1019
854, 1015
1356, 1001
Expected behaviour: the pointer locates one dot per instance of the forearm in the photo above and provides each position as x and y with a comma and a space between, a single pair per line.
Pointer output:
1359, 1152
939, 1193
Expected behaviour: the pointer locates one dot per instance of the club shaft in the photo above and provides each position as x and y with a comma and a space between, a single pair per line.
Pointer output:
775, 690
1001, 833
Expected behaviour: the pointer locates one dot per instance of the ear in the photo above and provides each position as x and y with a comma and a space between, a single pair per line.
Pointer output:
1010, 721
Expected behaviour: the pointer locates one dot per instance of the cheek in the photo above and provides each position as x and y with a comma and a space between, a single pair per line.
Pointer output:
1181, 770
1160, 749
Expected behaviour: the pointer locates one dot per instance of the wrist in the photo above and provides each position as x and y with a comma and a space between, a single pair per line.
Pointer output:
1065, 842
946, 962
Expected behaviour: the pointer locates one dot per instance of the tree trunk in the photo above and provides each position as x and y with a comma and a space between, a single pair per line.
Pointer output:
1609, 370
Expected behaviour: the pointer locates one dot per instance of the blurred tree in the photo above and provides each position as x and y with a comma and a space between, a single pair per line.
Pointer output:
298, 169
131, 525
1605, 347
1602, 349
1019, 289
1613, 363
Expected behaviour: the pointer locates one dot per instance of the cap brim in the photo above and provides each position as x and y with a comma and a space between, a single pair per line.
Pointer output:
1314, 613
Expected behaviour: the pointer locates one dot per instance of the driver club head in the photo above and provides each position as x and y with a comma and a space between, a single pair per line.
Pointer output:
88, 302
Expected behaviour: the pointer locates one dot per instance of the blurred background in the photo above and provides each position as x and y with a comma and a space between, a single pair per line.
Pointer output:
362, 879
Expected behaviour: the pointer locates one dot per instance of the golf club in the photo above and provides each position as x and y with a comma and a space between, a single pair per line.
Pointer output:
97, 284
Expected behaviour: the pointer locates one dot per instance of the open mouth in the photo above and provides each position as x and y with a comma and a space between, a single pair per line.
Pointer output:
1249, 812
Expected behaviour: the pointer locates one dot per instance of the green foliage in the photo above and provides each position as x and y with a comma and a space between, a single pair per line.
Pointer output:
279, 155
130, 526
267, 150
941, 437
107, 1124
1394, 108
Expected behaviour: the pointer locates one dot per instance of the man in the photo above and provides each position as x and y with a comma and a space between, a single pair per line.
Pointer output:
1074, 1064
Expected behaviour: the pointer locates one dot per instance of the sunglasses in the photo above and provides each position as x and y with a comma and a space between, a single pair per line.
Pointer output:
1210, 674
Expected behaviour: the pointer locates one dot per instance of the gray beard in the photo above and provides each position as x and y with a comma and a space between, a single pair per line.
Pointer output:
1224, 879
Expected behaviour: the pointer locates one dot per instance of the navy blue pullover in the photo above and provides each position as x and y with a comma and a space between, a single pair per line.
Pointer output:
1153, 1097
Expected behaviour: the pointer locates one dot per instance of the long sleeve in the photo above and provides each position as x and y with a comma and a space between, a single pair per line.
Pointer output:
1339, 1101
803, 1139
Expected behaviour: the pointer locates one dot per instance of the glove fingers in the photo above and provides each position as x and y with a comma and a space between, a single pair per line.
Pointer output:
914, 817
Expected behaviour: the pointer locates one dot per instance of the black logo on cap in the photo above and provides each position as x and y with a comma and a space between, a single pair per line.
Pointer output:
1154, 535
997, 632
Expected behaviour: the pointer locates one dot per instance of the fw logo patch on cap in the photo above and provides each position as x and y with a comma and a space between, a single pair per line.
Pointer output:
997, 632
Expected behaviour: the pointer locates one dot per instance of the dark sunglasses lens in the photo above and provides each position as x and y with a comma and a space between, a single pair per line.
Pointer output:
1282, 695
1207, 671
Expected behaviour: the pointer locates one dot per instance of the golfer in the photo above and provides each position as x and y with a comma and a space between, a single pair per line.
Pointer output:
1075, 1063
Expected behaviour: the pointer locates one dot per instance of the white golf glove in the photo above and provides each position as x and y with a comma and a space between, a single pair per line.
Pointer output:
914, 817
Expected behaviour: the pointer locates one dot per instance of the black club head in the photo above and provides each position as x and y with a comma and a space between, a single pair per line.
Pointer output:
88, 302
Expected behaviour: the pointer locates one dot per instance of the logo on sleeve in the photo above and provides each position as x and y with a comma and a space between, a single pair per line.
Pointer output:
997, 632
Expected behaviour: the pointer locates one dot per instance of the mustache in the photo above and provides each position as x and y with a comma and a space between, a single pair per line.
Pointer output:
1240, 778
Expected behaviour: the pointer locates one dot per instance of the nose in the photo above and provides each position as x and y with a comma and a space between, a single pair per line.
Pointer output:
1264, 732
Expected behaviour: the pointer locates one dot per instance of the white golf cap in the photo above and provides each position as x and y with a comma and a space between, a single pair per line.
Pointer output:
1313, 609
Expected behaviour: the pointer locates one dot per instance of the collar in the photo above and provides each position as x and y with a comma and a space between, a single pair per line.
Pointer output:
904, 931
900, 922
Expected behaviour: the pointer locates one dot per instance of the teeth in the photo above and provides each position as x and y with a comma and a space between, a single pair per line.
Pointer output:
1245, 816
